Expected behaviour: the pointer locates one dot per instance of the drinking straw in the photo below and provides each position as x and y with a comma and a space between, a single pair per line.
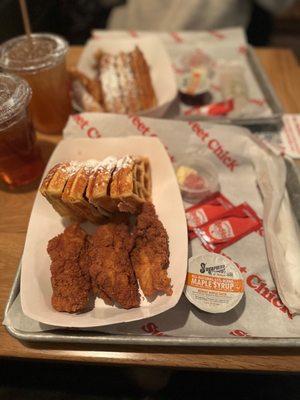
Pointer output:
26, 20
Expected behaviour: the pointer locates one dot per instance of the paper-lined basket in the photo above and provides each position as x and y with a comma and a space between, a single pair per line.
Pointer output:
45, 223
161, 71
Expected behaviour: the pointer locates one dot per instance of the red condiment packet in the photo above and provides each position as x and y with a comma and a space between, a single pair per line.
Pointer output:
222, 108
209, 209
214, 109
230, 227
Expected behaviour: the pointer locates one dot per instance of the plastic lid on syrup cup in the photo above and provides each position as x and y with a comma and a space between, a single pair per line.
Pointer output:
214, 283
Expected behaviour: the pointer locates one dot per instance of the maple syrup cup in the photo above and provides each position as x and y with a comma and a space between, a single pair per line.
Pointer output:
42, 64
214, 283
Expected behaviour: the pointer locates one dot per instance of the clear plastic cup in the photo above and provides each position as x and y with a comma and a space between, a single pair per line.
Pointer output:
20, 159
42, 64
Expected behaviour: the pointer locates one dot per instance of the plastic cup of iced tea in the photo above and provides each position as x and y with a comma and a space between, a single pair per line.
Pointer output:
41, 62
20, 158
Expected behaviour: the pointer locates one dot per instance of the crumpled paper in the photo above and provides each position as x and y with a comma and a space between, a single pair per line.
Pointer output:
247, 172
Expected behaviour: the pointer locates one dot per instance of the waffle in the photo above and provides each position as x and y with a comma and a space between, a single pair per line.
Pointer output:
131, 183
98, 187
143, 80
74, 194
53, 187
108, 78
94, 190
92, 86
86, 92
125, 81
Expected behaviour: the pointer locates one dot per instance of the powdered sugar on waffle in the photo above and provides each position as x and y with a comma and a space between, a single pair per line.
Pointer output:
108, 164
92, 165
110, 84
124, 162
74, 166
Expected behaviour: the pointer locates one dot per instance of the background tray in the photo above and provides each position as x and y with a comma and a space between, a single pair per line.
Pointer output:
273, 122
197, 40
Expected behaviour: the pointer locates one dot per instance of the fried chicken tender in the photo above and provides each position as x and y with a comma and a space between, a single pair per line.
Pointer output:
150, 255
111, 271
70, 278
92, 86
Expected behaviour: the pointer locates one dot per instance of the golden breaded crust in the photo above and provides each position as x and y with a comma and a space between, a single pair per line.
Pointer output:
131, 183
96, 190
111, 271
150, 255
71, 284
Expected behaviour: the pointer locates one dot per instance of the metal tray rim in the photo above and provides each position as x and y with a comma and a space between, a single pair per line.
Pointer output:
168, 341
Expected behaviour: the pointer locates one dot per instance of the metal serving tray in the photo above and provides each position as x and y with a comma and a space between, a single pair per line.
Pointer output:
272, 122
80, 336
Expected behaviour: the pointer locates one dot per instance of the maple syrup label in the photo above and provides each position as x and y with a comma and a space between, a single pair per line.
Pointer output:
214, 283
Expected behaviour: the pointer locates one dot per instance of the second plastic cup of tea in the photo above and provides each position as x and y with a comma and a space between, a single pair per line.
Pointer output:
41, 61
20, 159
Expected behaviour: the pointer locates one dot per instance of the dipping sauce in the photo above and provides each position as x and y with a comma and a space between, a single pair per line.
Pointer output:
197, 178
194, 87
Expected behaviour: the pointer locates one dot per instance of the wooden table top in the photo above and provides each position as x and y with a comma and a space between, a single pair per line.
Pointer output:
284, 73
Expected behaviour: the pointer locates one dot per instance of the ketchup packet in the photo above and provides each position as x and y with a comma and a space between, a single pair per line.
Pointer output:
214, 109
221, 232
209, 209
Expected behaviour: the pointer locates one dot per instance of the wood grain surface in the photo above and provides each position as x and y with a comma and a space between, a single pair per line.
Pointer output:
283, 71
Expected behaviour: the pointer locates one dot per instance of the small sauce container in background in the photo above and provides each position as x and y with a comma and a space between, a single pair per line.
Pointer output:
194, 87
197, 178
214, 283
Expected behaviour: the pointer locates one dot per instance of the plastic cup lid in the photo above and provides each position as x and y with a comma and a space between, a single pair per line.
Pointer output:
18, 54
15, 94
